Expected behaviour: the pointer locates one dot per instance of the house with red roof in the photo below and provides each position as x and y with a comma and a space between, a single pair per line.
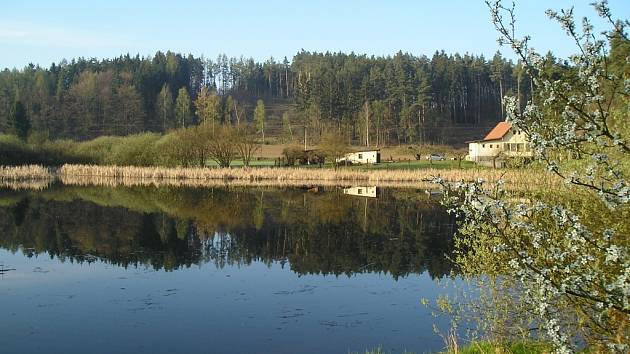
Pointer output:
502, 141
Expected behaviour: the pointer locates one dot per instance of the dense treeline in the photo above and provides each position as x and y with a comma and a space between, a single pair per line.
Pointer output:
375, 100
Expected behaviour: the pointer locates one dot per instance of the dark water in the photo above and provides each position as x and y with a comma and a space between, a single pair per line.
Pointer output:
237, 270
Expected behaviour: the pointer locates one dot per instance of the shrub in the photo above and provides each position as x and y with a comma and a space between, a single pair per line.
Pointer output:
135, 150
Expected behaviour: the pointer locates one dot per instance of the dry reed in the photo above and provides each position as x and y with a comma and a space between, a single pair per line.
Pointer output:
24, 173
119, 175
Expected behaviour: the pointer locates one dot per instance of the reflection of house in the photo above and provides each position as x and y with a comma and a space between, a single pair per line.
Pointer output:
501, 141
369, 192
362, 157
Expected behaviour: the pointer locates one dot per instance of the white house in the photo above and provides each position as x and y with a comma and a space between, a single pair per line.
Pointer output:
369, 192
502, 140
361, 157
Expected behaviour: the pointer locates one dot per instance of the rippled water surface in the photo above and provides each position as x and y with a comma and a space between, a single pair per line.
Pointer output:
222, 270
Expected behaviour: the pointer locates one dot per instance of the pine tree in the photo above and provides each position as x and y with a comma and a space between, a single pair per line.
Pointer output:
130, 116
497, 66
19, 123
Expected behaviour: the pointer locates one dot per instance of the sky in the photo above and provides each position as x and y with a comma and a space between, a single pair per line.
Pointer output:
43, 32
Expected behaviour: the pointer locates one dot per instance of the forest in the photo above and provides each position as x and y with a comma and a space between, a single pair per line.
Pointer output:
374, 100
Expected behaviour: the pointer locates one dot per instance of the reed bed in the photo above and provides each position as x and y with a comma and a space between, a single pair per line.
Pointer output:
129, 175
25, 173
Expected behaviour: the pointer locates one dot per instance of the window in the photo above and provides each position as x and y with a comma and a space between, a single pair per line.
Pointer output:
490, 146
359, 191
483, 145
360, 156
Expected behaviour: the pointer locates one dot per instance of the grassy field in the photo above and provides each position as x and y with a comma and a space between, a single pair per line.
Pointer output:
420, 164
396, 152
386, 165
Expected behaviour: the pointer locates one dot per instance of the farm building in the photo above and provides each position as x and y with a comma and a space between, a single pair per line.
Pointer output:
501, 141
361, 157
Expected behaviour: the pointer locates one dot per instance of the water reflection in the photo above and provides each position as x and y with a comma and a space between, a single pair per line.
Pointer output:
228, 270
321, 231
362, 191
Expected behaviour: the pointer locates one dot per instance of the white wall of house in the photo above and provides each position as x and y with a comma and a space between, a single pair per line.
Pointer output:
513, 144
361, 157
483, 149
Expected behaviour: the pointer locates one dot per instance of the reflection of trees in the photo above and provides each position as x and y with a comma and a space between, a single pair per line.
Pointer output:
81, 231
322, 233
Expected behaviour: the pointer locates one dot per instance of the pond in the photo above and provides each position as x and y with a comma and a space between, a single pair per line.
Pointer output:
220, 270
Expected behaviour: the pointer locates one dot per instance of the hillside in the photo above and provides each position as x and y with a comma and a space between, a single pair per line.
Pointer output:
391, 100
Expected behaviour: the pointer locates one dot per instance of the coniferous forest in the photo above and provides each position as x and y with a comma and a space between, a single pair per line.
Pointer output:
375, 100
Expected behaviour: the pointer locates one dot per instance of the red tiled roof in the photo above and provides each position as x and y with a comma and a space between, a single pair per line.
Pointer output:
499, 131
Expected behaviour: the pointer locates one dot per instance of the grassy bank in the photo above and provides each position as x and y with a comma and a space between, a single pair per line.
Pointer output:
502, 348
488, 348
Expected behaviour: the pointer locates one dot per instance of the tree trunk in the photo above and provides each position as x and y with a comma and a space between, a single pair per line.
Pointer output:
286, 80
501, 97
367, 123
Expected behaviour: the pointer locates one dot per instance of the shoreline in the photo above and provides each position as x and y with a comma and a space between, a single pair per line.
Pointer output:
268, 176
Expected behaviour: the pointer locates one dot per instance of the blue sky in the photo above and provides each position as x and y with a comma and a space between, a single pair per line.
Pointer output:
46, 31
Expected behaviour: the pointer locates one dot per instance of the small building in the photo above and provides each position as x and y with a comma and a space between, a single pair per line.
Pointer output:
370, 192
501, 141
361, 157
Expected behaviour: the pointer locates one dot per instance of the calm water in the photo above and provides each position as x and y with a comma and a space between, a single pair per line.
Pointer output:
184, 270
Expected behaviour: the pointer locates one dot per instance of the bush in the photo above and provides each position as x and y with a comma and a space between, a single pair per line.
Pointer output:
14, 151
135, 150
99, 149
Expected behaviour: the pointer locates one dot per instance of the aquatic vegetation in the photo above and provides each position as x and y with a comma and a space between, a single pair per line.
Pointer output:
129, 175
23, 173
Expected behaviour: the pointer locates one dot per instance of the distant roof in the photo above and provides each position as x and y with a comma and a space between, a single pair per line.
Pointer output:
499, 131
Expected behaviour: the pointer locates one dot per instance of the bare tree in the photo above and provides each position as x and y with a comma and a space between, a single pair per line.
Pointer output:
246, 144
221, 147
